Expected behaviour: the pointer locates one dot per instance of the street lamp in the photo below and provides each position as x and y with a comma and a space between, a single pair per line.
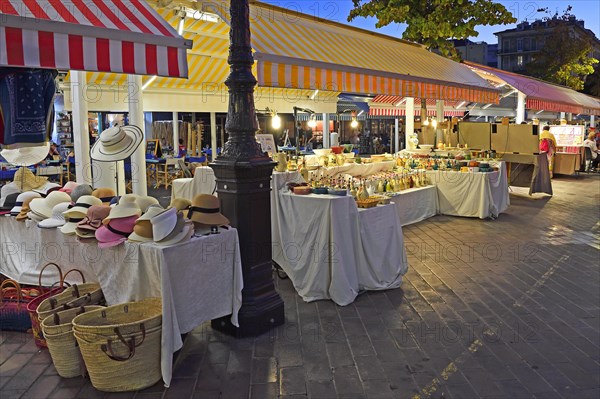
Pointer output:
275, 119
312, 123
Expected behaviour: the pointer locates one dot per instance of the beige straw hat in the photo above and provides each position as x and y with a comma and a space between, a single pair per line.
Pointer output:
27, 181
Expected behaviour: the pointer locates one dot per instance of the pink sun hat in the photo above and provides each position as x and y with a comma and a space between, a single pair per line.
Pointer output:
68, 187
115, 231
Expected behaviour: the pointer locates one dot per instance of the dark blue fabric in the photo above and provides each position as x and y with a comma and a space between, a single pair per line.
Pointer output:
26, 99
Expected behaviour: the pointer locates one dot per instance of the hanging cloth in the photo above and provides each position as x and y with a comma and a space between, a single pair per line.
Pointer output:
26, 100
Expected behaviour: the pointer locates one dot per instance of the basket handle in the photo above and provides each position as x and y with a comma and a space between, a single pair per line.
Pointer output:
15, 284
75, 270
107, 349
60, 274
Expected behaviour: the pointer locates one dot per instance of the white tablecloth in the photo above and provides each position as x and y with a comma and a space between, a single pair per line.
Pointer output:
198, 280
354, 169
332, 250
416, 204
203, 182
476, 194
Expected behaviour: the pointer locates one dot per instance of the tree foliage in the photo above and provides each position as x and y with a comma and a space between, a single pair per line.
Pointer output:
565, 56
433, 22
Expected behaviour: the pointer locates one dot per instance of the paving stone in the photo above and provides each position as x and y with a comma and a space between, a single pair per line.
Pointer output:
339, 354
14, 363
317, 367
377, 389
292, 381
369, 368
321, 389
264, 370
180, 388
42, 387
25, 377
236, 385
361, 346
347, 381
264, 391
188, 365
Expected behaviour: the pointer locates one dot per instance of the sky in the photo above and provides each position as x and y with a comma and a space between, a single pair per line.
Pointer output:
338, 10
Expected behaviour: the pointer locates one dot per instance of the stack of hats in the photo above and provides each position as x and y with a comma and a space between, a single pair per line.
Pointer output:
69, 186
120, 222
80, 191
142, 231
169, 227
144, 202
92, 221
205, 212
181, 204
41, 208
9, 203
104, 194
77, 212
21, 208
57, 219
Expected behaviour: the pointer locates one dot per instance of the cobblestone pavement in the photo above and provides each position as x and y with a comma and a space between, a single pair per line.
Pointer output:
496, 309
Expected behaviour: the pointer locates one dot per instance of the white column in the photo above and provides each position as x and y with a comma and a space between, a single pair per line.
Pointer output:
396, 136
562, 115
439, 111
569, 116
121, 188
520, 107
326, 138
136, 117
213, 134
175, 134
409, 106
592, 121
81, 135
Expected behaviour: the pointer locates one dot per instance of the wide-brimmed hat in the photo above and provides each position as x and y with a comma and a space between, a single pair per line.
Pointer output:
146, 201
68, 187
82, 205
142, 231
164, 223
181, 204
206, 209
43, 206
182, 231
47, 189
126, 207
105, 194
26, 156
24, 209
35, 217
57, 219
27, 181
115, 231
117, 143
92, 221
23, 198
79, 191
9, 203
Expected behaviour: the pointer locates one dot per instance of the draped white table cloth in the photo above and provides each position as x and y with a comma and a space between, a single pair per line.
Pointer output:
476, 194
198, 280
332, 250
203, 182
416, 204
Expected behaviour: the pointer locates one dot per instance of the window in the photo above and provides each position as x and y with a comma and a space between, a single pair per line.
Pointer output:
526, 44
504, 46
519, 44
520, 61
533, 43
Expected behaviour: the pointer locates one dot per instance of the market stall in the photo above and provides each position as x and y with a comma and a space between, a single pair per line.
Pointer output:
332, 250
198, 280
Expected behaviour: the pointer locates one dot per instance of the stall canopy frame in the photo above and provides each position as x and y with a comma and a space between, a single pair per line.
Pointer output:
119, 36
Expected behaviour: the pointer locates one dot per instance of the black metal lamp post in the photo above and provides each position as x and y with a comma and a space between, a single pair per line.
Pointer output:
243, 173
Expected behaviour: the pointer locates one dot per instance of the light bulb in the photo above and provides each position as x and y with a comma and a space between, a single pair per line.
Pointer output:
426, 122
276, 121
354, 124
434, 123
312, 123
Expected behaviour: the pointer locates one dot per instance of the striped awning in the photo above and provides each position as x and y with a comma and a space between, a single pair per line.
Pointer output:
381, 111
121, 36
384, 105
543, 95
296, 50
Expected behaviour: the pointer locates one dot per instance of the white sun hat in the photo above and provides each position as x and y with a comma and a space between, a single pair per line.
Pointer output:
183, 230
117, 143
26, 196
57, 219
43, 206
145, 201
164, 223
142, 231
126, 207
26, 156
82, 205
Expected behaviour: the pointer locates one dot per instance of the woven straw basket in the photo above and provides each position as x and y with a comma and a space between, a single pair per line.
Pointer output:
58, 332
59, 302
121, 345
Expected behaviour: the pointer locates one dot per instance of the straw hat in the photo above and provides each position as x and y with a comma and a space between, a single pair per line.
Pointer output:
115, 231
117, 143
9, 203
206, 209
181, 204
126, 207
6, 190
92, 221
144, 202
26, 156
27, 181
79, 191
57, 219
82, 205
69, 186
182, 231
47, 189
142, 231
43, 206
23, 209
35, 217
105, 194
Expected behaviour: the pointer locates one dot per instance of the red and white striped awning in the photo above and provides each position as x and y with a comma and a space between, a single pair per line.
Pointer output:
381, 111
120, 36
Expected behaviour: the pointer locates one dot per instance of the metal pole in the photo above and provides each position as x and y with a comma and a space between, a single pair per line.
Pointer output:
326, 133
175, 134
136, 117
213, 135
520, 107
396, 136
243, 173
81, 135
409, 106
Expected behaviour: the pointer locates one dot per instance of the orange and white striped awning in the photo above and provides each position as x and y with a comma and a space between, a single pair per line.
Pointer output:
120, 36
382, 111
295, 50
384, 105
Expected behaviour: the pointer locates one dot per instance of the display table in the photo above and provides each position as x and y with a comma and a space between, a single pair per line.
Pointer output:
199, 280
475, 194
332, 250
355, 169
567, 163
203, 182
416, 204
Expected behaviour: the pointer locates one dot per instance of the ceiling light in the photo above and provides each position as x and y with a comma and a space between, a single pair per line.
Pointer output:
312, 97
312, 122
426, 122
354, 124
539, 112
360, 113
276, 121
149, 82
434, 123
